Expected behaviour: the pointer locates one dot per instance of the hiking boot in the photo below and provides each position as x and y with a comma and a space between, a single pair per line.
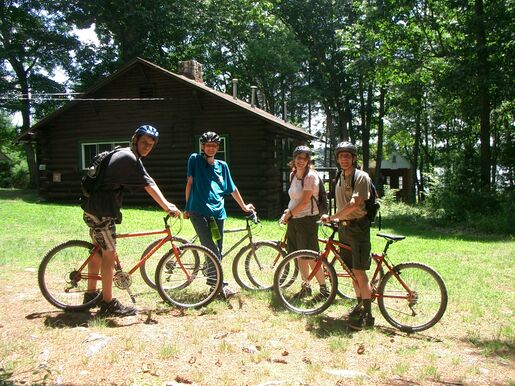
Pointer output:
304, 292
89, 296
322, 295
364, 321
227, 292
355, 312
115, 308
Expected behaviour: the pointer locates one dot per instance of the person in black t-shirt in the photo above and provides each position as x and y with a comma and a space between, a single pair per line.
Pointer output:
102, 212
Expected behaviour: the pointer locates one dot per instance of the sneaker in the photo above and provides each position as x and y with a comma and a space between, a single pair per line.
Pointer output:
355, 312
89, 296
304, 292
322, 295
365, 321
115, 308
227, 292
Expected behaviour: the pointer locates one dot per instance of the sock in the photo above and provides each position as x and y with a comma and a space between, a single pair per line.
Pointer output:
367, 304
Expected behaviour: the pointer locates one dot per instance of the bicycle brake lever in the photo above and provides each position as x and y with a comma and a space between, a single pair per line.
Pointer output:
253, 216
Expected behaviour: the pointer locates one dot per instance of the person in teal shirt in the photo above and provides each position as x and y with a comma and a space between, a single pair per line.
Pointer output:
208, 182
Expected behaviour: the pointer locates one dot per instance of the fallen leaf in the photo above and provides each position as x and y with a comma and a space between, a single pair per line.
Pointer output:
181, 379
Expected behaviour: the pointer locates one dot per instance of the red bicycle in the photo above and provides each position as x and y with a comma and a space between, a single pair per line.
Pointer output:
411, 296
187, 275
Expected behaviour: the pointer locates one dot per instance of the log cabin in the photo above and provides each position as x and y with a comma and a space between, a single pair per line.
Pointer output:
256, 144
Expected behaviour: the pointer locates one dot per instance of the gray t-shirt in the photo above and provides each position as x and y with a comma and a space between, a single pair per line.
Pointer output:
344, 192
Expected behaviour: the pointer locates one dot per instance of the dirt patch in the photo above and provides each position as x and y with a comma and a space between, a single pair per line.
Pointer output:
247, 341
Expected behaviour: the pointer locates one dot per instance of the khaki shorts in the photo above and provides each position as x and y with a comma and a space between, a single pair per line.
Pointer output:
102, 231
357, 235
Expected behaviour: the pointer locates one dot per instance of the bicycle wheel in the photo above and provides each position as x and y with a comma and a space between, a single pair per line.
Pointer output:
300, 296
420, 306
58, 277
148, 269
191, 279
254, 266
345, 286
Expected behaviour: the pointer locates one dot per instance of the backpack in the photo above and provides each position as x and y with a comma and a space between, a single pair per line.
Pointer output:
371, 205
323, 199
92, 178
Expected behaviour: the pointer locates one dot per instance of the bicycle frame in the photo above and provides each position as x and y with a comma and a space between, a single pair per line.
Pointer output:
331, 247
118, 268
248, 236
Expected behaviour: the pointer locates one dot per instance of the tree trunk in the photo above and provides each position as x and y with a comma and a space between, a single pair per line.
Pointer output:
368, 125
380, 130
25, 113
362, 114
484, 95
412, 198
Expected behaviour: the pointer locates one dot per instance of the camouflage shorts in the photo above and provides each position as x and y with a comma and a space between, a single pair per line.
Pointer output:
102, 230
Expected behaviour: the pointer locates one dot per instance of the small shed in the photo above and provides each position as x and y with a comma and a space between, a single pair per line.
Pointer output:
396, 173
256, 144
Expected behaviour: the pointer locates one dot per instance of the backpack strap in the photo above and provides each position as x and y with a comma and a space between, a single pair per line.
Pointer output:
292, 175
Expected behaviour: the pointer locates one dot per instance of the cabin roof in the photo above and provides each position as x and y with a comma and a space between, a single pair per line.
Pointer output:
272, 119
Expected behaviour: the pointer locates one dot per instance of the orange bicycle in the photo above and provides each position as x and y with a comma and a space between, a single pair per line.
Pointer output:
411, 296
187, 275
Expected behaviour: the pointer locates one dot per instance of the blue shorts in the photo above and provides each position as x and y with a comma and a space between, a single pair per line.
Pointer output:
102, 231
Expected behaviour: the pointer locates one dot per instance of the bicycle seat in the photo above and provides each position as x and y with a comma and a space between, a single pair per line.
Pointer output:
391, 237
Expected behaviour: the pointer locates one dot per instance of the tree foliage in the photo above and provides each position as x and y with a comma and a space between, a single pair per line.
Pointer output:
431, 79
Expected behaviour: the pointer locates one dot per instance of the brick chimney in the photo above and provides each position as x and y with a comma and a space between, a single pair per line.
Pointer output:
191, 69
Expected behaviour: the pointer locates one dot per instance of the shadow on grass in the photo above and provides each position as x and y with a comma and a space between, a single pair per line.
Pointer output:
19, 194
427, 229
323, 326
60, 319
491, 347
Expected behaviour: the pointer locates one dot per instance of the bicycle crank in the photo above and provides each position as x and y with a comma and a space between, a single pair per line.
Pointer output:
122, 280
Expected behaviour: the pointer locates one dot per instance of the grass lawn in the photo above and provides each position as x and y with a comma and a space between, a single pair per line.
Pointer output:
251, 340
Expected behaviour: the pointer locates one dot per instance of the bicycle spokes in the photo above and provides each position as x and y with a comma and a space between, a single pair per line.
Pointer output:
416, 300
190, 277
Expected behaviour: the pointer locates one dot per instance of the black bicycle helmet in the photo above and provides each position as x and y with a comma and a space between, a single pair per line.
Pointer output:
151, 131
210, 136
346, 146
301, 149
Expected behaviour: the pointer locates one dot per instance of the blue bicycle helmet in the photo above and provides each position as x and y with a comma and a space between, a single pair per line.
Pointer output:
151, 131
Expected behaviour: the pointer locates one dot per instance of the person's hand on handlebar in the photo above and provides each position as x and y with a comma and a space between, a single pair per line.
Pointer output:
172, 210
248, 208
327, 219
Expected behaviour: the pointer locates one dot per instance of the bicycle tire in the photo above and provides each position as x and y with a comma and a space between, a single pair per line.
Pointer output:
258, 262
148, 268
55, 276
190, 283
288, 295
345, 287
427, 305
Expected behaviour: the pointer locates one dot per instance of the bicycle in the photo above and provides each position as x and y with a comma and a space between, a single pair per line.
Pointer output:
411, 296
259, 258
63, 274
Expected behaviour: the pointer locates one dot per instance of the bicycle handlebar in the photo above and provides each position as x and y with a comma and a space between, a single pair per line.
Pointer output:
180, 218
252, 217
